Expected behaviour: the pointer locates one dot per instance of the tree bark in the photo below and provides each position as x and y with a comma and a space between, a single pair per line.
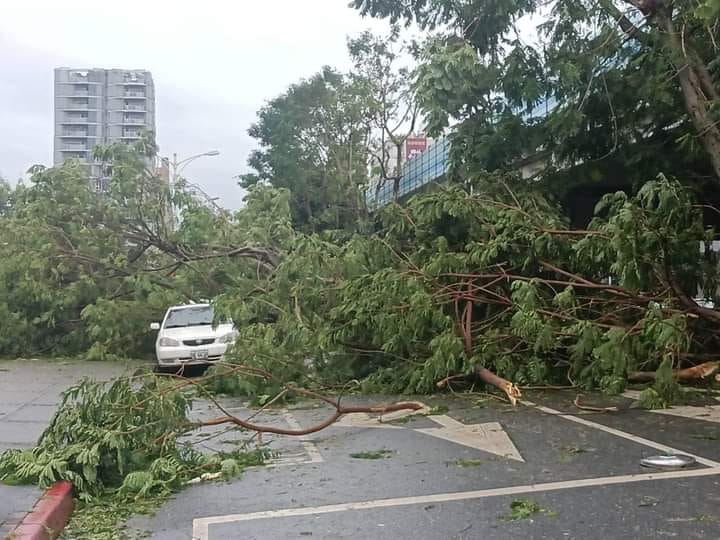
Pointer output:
696, 86
511, 390
694, 373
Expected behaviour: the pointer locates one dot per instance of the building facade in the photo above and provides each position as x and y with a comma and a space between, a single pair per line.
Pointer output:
100, 106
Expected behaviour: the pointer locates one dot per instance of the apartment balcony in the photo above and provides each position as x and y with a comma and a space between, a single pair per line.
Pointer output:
130, 85
79, 82
79, 156
80, 153
79, 96
75, 146
137, 111
75, 135
133, 122
134, 95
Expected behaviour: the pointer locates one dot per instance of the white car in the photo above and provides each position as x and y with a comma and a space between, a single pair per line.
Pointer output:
187, 337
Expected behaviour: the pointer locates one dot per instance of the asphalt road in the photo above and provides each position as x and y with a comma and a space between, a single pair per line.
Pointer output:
584, 481
451, 475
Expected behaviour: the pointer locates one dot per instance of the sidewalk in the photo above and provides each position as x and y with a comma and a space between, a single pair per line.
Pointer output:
30, 391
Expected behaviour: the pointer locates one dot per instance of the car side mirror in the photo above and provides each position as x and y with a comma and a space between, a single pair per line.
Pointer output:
155, 326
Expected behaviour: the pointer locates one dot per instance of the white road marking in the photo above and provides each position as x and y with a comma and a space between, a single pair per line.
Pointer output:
623, 434
489, 437
201, 526
397, 415
309, 454
709, 413
310, 448
363, 420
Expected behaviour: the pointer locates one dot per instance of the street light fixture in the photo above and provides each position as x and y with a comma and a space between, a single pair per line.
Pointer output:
178, 166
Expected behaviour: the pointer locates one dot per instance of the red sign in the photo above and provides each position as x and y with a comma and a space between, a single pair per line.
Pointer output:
415, 146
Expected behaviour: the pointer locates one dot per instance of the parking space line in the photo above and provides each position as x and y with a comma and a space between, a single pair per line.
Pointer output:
310, 453
707, 413
310, 448
625, 435
201, 526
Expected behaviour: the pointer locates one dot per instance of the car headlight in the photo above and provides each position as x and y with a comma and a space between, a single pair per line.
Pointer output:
168, 342
228, 338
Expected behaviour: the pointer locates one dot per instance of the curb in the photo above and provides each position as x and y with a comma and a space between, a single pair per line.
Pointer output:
48, 517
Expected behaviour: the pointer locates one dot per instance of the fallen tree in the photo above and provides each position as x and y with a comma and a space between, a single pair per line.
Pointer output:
488, 285
491, 284
132, 436
126, 445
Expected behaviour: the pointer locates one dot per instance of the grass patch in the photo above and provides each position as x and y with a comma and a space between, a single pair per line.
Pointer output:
567, 453
705, 436
437, 409
524, 509
372, 454
464, 463
573, 450
105, 518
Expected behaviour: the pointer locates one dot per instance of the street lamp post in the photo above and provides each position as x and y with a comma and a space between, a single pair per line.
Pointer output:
178, 166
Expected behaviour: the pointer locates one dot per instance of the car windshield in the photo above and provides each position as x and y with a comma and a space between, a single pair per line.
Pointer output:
193, 316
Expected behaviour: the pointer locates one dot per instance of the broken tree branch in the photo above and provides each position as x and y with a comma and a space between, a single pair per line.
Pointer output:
701, 371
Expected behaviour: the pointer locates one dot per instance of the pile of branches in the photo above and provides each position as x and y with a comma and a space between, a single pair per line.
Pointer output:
492, 283
130, 437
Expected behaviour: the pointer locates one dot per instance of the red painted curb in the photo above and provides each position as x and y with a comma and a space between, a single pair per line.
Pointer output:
48, 517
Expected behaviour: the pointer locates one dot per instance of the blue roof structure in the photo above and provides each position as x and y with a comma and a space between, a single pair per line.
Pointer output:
417, 172
433, 164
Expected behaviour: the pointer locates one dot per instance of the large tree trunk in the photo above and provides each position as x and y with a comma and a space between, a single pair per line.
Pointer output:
697, 87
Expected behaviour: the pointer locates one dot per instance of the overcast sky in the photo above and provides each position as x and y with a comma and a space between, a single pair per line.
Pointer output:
214, 63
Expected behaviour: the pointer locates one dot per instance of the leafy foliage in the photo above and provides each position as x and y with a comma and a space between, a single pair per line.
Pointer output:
390, 309
610, 92
459, 278
312, 140
87, 272
122, 437
523, 509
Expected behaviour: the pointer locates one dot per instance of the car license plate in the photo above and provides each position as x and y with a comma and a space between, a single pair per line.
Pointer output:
199, 355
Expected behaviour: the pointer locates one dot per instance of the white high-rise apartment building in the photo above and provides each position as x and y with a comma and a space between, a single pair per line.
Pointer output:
100, 106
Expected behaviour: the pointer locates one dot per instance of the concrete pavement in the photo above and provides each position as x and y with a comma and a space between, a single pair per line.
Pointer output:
30, 391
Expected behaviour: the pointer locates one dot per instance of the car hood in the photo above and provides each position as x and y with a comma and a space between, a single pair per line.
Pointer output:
197, 332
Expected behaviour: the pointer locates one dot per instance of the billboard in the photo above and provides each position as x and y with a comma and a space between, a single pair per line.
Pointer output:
415, 146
